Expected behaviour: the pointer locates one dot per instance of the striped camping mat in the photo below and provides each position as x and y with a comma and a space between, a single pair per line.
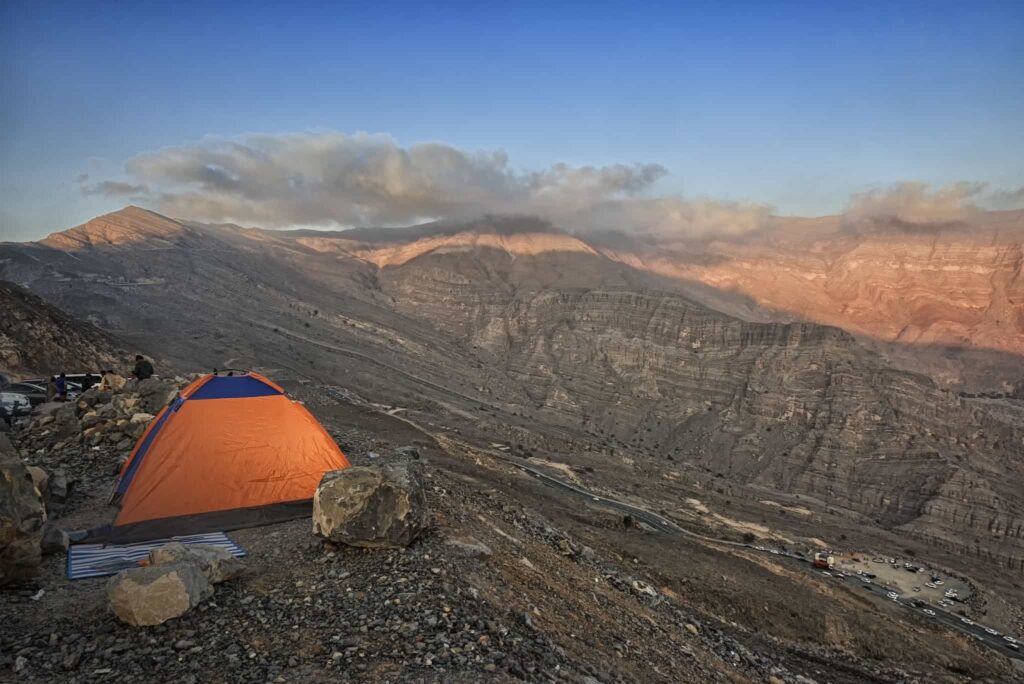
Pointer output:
99, 560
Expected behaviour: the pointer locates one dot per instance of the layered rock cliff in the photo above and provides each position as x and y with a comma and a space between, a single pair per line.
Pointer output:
799, 407
959, 286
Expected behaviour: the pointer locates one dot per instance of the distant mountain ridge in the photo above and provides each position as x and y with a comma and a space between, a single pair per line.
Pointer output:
951, 290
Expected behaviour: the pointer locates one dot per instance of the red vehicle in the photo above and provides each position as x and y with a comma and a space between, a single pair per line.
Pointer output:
824, 560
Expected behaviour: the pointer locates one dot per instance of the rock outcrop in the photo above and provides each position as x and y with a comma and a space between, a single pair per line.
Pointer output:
97, 418
371, 506
22, 518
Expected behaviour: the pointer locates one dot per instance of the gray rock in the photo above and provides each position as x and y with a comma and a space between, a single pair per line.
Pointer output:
55, 540
65, 422
216, 563
57, 490
22, 516
371, 506
90, 419
154, 595
155, 393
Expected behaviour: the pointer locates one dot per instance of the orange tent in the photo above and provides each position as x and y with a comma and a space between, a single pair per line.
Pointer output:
230, 451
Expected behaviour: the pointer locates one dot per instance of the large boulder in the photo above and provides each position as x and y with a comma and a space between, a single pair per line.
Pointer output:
156, 594
154, 394
371, 506
216, 563
22, 516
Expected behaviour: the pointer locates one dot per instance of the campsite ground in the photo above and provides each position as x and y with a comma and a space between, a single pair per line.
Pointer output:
512, 581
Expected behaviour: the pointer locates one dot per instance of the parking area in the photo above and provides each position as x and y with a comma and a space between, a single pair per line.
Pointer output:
910, 579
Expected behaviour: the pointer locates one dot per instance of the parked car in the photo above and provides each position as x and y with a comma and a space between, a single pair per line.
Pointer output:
15, 404
35, 393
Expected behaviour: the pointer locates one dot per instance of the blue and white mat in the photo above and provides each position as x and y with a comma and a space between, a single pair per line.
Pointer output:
98, 560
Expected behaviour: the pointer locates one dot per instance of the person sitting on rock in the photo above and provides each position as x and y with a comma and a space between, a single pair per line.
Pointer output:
112, 382
61, 385
143, 368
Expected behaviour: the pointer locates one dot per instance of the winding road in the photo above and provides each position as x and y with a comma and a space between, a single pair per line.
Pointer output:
659, 523
993, 639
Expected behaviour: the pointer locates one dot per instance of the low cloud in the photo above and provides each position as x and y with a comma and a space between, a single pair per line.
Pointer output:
1005, 199
915, 205
331, 179
115, 189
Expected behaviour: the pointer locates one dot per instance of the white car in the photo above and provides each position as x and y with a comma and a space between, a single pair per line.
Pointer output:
939, 583
991, 631
865, 580
892, 594
929, 612
967, 621
826, 573
929, 585
1010, 639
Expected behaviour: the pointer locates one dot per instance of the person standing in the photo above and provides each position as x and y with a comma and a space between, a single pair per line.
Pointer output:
143, 368
112, 382
61, 385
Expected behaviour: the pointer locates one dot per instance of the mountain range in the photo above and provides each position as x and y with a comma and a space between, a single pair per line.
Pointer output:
814, 359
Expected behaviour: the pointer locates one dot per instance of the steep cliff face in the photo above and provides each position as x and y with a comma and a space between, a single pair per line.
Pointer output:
799, 408
957, 285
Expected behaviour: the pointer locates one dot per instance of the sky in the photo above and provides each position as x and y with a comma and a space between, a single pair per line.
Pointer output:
682, 114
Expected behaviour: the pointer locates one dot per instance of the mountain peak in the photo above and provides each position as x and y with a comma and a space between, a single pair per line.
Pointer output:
124, 226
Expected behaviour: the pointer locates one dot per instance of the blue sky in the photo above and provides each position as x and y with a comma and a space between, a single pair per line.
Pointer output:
796, 105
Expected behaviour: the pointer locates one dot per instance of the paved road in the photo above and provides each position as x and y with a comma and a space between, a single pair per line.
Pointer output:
947, 618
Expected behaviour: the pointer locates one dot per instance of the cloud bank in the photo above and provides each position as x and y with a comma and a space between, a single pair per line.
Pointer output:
916, 204
330, 179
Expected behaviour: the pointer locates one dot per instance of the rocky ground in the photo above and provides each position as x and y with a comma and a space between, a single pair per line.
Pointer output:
509, 583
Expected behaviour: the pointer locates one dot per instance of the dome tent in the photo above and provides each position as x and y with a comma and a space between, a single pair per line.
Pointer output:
230, 451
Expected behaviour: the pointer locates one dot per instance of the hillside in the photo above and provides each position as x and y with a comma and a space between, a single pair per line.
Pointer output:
36, 338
